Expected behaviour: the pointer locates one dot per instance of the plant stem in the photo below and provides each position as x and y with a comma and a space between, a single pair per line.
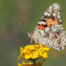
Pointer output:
34, 62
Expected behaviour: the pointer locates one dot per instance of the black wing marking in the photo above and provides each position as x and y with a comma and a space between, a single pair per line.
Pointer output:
54, 11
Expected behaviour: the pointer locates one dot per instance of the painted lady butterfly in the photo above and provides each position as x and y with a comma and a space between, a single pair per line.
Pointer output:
49, 30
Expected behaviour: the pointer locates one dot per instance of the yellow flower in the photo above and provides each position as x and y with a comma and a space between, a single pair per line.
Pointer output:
35, 55
20, 64
27, 56
44, 55
33, 52
29, 64
23, 62
30, 47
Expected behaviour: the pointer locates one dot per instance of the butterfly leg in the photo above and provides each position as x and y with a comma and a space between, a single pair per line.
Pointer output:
31, 41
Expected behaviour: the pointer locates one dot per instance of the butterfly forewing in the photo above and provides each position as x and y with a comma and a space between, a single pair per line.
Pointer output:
49, 30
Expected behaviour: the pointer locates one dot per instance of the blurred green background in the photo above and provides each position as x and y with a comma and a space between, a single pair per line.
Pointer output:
17, 17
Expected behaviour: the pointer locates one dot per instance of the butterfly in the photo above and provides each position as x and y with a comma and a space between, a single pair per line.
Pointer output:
49, 30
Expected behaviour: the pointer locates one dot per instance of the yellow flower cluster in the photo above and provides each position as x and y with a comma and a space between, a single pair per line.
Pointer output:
33, 52
29, 64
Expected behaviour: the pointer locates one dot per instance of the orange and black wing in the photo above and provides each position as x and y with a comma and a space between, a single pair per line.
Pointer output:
50, 17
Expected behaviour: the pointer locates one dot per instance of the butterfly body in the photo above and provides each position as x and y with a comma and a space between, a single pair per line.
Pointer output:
49, 30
